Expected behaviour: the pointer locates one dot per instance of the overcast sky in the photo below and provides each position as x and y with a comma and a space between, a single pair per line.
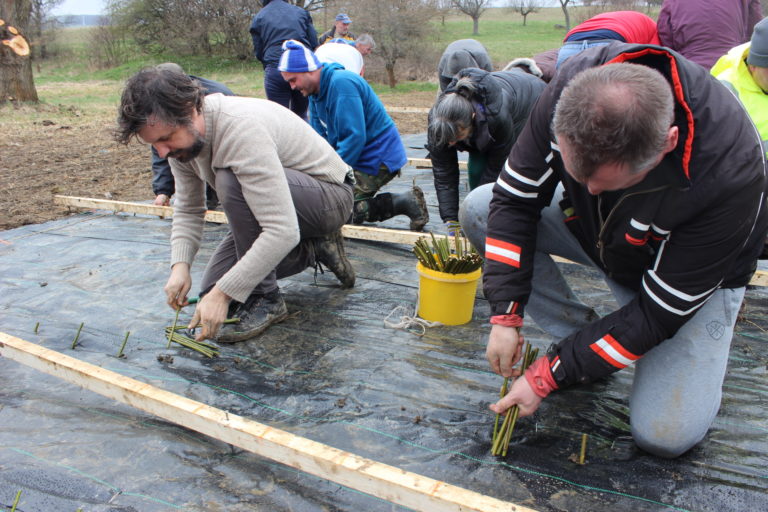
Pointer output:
80, 7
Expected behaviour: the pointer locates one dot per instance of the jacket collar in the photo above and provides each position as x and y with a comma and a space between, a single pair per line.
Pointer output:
684, 114
326, 73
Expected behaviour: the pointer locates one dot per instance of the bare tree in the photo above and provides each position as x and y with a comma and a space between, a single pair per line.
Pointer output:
309, 5
40, 22
564, 5
650, 4
399, 28
196, 27
444, 7
16, 82
474, 9
109, 47
524, 7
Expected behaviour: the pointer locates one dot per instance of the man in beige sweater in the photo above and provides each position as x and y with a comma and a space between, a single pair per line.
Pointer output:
285, 191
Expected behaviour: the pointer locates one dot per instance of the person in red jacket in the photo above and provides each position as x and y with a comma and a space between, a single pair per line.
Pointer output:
622, 26
639, 163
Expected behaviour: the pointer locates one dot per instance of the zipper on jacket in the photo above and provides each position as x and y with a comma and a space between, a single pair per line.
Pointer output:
603, 224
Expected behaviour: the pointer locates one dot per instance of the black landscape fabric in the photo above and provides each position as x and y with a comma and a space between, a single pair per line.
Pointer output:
332, 372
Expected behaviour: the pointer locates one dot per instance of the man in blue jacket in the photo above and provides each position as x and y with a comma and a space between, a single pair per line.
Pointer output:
276, 22
348, 114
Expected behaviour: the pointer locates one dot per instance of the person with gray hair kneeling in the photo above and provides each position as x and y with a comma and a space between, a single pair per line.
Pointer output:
482, 113
637, 162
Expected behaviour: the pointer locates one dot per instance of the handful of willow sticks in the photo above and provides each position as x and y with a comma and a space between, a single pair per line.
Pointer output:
206, 349
502, 436
439, 256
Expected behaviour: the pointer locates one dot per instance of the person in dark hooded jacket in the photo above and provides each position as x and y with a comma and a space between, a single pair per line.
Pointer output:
462, 54
636, 162
276, 22
482, 113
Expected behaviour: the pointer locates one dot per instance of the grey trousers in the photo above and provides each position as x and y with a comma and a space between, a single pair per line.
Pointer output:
677, 385
321, 208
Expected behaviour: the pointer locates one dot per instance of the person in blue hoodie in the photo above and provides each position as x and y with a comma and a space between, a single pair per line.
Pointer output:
276, 22
348, 114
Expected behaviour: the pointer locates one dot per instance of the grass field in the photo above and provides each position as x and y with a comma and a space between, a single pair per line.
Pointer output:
501, 31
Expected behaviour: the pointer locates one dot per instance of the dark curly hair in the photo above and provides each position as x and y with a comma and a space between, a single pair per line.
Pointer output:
166, 95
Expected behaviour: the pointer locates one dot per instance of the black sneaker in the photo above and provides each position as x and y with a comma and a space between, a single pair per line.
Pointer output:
329, 251
256, 314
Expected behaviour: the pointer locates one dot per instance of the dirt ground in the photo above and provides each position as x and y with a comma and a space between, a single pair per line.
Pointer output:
70, 152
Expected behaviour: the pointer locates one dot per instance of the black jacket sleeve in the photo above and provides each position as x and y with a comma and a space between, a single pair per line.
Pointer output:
162, 179
311, 32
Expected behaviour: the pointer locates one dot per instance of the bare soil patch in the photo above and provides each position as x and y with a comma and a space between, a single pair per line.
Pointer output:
48, 150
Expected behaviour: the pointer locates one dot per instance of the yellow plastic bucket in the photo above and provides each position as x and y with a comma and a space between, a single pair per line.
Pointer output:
446, 298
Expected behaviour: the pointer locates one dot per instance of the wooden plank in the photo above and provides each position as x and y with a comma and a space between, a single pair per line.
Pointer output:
406, 110
395, 236
365, 475
426, 163
89, 203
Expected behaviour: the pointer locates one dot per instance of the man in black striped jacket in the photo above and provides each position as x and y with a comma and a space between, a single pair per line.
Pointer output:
637, 162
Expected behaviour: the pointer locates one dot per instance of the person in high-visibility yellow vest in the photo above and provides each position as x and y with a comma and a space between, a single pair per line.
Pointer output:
744, 70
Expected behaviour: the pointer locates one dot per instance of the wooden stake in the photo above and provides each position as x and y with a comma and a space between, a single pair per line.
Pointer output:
173, 328
37, 326
16, 501
120, 353
583, 452
77, 336
365, 475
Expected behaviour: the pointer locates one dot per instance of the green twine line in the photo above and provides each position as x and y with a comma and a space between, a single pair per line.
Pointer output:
437, 452
95, 479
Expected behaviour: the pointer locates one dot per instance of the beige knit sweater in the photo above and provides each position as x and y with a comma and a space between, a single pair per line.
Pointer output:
257, 139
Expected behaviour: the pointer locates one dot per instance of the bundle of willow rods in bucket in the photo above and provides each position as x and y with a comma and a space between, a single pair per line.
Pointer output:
501, 437
439, 256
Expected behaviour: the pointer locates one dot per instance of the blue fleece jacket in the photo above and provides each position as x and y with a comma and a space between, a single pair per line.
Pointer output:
350, 116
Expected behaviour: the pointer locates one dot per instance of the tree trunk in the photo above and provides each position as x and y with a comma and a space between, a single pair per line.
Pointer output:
567, 17
16, 82
525, 17
390, 67
475, 25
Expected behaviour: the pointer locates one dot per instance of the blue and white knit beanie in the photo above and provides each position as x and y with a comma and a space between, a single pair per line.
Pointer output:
341, 41
297, 58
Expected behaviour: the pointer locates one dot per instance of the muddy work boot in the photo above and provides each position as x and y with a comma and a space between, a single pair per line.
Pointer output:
329, 251
256, 314
413, 205
386, 205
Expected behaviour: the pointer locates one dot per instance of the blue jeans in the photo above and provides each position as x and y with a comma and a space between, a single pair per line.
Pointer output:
574, 47
677, 385
279, 91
